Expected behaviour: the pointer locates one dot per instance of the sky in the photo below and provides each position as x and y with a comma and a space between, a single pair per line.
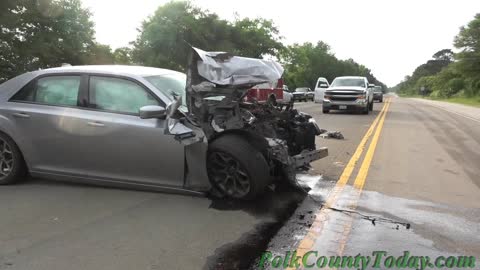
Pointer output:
391, 37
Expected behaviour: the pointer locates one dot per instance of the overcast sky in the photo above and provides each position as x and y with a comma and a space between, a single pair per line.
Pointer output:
391, 37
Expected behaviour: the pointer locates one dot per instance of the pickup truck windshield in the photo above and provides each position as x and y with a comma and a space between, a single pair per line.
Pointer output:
301, 90
348, 82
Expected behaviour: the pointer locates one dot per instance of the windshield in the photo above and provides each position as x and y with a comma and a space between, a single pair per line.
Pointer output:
301, 90
378, 89
354, 82
172, 85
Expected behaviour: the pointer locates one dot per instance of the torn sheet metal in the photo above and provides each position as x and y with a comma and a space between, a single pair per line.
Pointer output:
225, 69
217, 83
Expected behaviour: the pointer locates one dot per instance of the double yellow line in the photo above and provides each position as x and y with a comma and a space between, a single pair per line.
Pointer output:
315, 230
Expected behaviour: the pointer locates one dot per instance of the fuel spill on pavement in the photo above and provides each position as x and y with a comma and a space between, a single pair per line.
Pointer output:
271, 211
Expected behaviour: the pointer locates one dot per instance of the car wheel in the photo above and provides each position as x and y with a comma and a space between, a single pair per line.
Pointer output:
325, 111
366, 110
272, 100
381, 100
370, 106
236, 168
12, 166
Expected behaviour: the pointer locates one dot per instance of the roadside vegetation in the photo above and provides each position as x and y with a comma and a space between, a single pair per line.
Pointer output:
449, 76
42, 34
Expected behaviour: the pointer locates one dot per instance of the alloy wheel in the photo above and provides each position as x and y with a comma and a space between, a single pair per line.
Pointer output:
6, 159
228, 175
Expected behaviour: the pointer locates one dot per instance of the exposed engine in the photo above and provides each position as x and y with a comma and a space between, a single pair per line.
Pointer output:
297, 129
216, 86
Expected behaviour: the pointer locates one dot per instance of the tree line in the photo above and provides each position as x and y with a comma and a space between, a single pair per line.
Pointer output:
38, 34
449, 74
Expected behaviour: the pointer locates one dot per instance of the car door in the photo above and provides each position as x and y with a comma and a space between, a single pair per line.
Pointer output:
124, 147
48, 120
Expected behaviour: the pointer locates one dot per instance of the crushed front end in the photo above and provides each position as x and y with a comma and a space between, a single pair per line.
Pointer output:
217, 84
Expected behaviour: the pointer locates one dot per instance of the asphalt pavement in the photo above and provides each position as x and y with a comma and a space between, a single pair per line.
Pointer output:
418, 166
414, 188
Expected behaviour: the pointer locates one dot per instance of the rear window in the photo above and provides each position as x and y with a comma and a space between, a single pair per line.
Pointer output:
52, 90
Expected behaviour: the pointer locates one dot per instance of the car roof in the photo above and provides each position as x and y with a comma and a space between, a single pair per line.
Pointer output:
111, 69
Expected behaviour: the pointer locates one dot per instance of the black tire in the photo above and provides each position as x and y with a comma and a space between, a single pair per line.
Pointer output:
232, 163
366, 110
325, 111
9, 153
370, 106
381, 100
272, 100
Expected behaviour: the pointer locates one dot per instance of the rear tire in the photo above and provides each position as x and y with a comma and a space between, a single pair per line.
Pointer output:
236, 168
381, 100
370, 106
325, 111
12, 165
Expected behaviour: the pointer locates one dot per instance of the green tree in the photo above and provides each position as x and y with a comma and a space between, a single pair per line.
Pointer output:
122, 56
468, 41
164, 37
306, 62
255, 38
41, 34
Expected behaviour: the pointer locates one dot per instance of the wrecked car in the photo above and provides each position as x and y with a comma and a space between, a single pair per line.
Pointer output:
154, 128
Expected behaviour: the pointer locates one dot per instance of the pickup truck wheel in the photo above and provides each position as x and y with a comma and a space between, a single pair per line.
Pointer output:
325, 111
272, 100
366, 110
236, 168
381, 100
370, 106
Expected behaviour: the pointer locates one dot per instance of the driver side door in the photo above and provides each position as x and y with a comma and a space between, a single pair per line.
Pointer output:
122, 146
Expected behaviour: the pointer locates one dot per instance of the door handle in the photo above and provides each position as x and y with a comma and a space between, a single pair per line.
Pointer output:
95, 124
21, 115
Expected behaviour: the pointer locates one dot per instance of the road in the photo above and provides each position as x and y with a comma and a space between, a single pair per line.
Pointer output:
420, 166
422, 171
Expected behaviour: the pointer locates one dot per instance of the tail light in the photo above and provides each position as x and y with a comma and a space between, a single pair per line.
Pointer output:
280, 83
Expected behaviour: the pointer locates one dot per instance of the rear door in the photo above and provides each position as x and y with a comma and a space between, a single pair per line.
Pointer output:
122, 146
48, 121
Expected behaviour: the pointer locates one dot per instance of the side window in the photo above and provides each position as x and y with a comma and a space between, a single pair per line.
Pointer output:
118, 95
52, 90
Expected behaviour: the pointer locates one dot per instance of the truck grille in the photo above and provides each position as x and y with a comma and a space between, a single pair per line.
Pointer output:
343, 96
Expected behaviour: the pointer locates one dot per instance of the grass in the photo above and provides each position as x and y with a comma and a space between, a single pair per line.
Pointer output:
472, 101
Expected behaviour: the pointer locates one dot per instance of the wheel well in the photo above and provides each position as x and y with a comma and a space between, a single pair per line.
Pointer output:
255, 140
18, 147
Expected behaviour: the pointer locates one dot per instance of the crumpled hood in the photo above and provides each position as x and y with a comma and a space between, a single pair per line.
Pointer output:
347, 88
214, 77
224, 69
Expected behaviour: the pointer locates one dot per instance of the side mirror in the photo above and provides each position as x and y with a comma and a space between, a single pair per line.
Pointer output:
153, 111
323, 85
371, 85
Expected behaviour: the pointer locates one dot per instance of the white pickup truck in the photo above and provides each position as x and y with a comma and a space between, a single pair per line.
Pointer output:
349, 93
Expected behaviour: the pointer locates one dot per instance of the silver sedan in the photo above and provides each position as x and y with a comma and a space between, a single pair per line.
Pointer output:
82, 123
133, 126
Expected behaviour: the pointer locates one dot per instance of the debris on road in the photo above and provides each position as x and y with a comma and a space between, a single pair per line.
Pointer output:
331, 134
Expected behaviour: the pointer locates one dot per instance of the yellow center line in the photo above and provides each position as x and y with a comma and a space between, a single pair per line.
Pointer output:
309, 240
360, 182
